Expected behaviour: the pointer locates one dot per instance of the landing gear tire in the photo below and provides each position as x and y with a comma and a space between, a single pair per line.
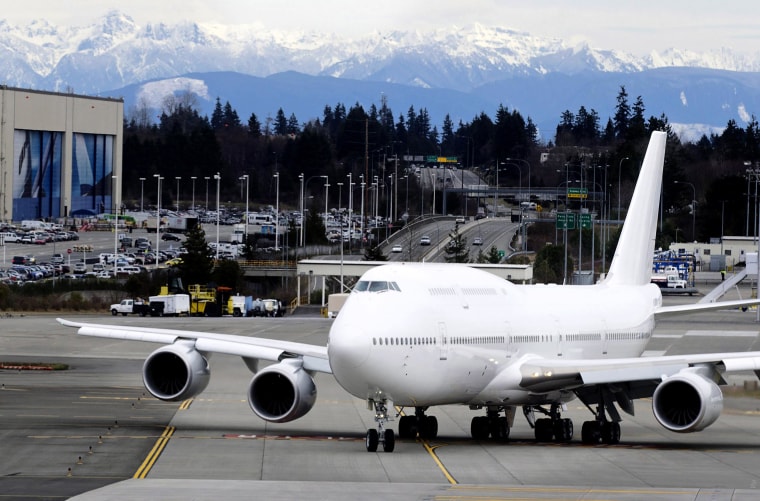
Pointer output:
591, 432
611, 433
499, 429
479, 427
407, 427
563, 430
428, 428
371, 440
390, 441
544, 430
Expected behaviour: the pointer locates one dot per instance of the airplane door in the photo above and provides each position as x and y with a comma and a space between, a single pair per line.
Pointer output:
443, 341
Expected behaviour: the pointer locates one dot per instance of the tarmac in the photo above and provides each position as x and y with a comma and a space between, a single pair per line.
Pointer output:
92, 433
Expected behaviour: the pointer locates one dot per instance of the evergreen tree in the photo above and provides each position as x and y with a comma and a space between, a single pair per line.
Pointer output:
550, 263
198, 262
254, 126
217, 116
622, 115
457, 250
280, 123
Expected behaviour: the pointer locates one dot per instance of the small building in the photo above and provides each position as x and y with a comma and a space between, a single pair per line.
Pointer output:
717, 255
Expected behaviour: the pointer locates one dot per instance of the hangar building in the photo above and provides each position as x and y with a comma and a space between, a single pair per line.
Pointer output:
60, 154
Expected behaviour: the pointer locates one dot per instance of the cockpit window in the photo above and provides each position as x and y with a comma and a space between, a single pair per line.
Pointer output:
376, 286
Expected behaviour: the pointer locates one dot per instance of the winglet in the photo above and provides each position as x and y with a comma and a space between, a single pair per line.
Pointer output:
632, 262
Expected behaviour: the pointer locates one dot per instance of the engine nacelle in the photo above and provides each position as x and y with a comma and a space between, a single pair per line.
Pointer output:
686, 402
282, 392
176, 372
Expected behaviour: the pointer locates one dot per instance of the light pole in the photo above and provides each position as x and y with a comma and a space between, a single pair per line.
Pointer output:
142, 192
276, 211
158, 216
115, 201
192, 205
245, 176
526, 163
303, 218
178, 178
206, 178
327, 186
620, 165
218, 178
693, 209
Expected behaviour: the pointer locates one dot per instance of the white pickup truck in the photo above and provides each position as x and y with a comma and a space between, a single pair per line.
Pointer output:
128, 306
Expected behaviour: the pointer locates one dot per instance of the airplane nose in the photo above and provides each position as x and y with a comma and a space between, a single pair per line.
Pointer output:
349, 346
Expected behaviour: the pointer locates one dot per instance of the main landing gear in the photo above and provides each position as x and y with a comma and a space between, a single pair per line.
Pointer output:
493, 425
552, 428
410, 426
600, 430
380, 435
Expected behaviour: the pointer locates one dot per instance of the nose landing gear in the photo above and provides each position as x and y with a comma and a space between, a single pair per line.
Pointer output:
380, 435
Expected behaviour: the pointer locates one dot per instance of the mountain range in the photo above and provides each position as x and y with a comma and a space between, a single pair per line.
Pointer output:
462, 71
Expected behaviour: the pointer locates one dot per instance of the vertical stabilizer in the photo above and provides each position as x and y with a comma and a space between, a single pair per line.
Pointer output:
632, 262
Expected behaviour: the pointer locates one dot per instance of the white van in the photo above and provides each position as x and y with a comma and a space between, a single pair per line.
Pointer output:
9, 237
260, 218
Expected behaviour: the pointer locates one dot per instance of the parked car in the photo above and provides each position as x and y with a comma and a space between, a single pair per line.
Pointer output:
170, 236
80, 268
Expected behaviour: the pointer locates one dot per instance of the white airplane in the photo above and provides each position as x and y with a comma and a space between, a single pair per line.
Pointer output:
420, 335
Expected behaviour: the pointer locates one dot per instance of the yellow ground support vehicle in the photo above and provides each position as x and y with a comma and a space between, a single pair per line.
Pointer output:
203, 301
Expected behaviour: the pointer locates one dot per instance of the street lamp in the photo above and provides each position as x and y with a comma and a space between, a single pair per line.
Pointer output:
526, 163
206, 178
192, 205
115, 201
303, 219
327, 185
276, 212
693, 209
178, 178
620, 165
142, 192
218, 178
245, 176
158, 215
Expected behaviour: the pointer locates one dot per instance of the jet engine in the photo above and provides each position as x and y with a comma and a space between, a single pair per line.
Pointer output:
687, 402
282, 392
176, 372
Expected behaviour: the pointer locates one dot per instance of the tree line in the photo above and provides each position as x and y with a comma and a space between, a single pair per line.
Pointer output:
364, 141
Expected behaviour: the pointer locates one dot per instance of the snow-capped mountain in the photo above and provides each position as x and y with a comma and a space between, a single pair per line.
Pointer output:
115, 52
477, 63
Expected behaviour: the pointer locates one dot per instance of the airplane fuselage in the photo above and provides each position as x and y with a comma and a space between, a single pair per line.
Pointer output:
427, 335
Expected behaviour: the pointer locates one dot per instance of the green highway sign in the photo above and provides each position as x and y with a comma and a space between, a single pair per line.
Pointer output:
577, 193
565, 221
586, 221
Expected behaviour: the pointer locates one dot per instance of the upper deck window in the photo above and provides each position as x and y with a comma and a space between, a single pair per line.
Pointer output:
376, 286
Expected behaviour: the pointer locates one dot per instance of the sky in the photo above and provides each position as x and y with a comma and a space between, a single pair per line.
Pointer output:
638, 27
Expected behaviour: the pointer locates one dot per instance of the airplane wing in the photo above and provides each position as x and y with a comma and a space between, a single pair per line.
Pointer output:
314, 357
543, 375
682, 309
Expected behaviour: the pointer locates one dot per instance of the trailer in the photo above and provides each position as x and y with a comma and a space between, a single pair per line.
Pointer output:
169, 305
180, 224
